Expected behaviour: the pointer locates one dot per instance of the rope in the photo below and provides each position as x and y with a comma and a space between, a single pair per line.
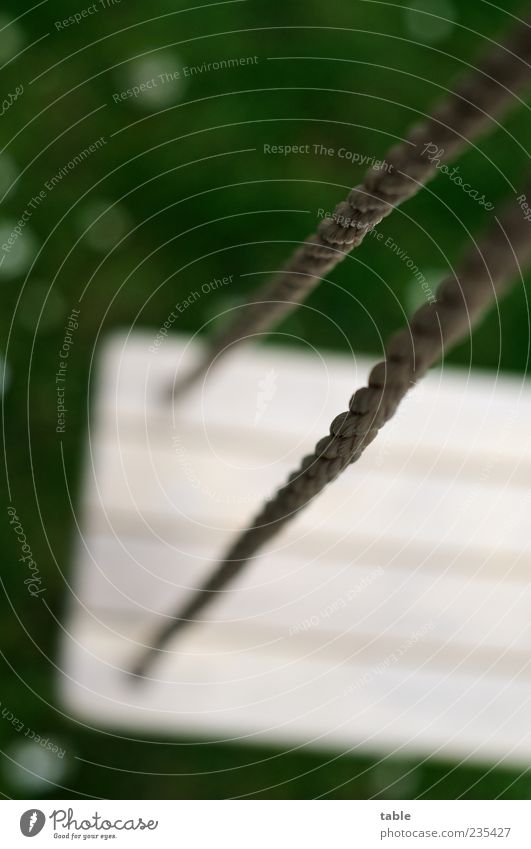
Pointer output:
478, 98
462, 300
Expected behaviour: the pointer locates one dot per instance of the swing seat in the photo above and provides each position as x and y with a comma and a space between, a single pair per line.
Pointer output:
392, 615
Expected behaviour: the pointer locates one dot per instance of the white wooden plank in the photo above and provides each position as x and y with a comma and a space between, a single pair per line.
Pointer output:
291, 597
216, 690
216, 494
454, 403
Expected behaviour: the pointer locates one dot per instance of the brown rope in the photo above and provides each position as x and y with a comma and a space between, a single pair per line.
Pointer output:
484, 274
478, 98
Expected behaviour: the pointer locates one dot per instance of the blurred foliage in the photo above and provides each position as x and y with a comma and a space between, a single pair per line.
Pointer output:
192, 196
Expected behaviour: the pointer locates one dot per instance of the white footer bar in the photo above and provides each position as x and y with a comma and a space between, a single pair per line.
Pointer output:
266, 824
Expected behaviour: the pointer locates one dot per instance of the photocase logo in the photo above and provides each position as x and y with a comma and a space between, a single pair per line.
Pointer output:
32, 822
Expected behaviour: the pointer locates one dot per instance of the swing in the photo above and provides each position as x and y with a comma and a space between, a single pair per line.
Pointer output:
365, 623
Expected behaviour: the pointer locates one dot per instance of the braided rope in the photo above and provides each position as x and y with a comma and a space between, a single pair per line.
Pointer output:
462, 300
478, 98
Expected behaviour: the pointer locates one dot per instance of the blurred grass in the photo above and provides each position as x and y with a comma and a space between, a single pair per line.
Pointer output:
199, 209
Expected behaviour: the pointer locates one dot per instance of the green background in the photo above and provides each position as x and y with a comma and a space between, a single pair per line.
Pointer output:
365, 72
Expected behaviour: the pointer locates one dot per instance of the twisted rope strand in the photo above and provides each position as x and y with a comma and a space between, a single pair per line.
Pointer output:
483, 275
477, 99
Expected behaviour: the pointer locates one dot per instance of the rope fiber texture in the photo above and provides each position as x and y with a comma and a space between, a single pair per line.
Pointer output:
477, 100
484, 274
